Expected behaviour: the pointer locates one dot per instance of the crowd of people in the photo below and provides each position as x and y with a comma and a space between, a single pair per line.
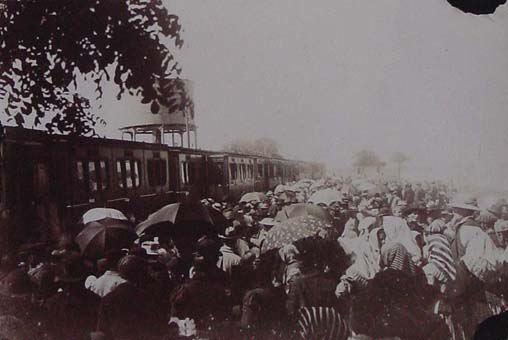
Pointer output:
390, 260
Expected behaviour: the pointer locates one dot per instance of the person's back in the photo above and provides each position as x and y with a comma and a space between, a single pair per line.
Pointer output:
71, 313
392, 305
200, 299
493, 328
314, 289
126, 313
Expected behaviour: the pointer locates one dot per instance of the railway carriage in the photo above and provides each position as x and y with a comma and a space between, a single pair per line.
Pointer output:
48, 181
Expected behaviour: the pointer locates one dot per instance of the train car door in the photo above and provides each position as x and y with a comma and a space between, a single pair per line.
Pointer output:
32, 203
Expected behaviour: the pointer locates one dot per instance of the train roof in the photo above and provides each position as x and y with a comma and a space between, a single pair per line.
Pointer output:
13, 134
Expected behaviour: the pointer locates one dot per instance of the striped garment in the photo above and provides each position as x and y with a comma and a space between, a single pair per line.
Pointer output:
317, 323
395, 256
440, 255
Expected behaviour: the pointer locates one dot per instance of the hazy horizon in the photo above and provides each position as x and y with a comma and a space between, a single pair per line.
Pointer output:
329, 78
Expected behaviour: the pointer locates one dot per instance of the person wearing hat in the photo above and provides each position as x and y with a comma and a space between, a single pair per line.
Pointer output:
472, 250
208, 251
265, 224
262, 210
392, 199
499, 209
439, 224
501, 230
274, 208
408, 194
71, 313
228, 258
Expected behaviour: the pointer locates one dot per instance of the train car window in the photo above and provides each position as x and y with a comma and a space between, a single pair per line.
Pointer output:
164, 172
136, 173
192, 172
184, 172
103, 174
233, 170
92, 177
216, 173
260, 170
242, 171
80, 173
119, 173
251, 170
128, 175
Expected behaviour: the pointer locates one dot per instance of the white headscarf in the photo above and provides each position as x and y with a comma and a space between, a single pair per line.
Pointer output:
397, 231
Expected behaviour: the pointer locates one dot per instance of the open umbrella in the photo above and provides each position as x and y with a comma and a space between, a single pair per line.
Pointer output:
367, 186
293, 229
325, 196
317, 184
253, 197
302, 209
97, 214
218, 219
176, 214
98, 237
279, 189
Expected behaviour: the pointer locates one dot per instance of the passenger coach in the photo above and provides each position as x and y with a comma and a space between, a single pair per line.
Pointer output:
48, 181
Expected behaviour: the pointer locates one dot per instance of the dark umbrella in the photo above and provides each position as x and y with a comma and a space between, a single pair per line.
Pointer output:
218, 219
99, 237
477, 6
175, 215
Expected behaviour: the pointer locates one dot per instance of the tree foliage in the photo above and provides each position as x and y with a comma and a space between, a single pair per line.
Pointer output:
399, 157
366, 159
47, 45
261, 147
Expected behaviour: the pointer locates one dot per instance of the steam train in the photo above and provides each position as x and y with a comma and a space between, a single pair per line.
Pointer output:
50, 180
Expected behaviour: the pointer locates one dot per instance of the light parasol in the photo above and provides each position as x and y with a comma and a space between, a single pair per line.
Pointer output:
292, 230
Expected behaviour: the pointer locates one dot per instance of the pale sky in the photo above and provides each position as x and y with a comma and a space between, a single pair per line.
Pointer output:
327, 78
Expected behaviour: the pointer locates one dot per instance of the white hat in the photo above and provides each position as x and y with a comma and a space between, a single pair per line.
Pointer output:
465, 202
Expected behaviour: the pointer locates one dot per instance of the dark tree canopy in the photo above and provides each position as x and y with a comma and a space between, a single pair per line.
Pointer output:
477, 6
47, 45
262, 147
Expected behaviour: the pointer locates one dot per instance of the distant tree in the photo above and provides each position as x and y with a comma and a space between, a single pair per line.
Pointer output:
261, 147
366, 159
48, 46
400, 159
